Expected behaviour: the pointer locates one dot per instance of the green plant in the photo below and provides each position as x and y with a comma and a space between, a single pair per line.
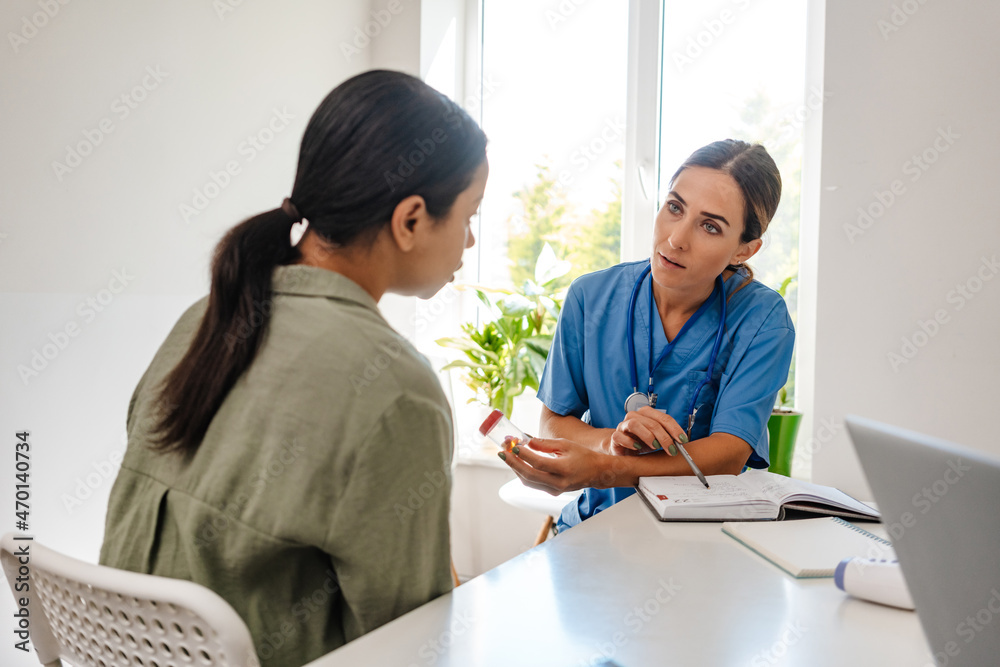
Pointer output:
505, 355
786, 395
588, 240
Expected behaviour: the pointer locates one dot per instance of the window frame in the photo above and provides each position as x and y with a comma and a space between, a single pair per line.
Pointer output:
640, 197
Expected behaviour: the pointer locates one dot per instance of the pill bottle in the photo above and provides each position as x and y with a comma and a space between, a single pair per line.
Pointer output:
500, 430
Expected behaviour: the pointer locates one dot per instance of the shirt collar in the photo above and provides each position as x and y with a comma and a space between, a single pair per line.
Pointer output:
303, 280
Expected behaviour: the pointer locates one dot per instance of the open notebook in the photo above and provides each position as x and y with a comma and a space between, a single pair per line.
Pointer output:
811, 547
753, 496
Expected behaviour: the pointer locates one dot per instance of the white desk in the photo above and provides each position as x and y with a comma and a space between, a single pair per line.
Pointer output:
627, 587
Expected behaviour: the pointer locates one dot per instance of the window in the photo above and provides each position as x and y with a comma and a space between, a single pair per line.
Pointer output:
556, 123
574, 149
551, 98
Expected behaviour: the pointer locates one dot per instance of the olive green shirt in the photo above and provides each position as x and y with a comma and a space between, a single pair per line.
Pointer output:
317, 502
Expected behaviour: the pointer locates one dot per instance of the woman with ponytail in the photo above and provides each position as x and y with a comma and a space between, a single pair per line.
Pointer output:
280, 435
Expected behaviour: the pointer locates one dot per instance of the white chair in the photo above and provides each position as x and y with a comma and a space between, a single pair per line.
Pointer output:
96, 616
516, 494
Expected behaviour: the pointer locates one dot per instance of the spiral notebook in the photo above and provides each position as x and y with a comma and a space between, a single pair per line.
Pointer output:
810, 547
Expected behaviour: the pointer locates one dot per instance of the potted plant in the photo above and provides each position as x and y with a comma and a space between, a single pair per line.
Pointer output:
505, 355
783, 424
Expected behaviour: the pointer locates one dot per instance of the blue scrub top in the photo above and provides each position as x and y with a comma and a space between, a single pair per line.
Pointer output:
587, 371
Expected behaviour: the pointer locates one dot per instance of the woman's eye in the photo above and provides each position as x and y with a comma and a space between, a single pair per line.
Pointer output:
710, 228
673, 208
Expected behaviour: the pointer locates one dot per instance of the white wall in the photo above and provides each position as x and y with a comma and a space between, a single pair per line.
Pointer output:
900, 85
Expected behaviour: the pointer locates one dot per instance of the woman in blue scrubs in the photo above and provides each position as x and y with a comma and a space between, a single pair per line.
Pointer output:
719, 204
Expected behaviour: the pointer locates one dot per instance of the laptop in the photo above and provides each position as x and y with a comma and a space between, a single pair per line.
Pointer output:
941, 506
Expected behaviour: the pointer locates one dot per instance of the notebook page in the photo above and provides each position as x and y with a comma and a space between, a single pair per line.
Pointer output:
781, 489
685, 490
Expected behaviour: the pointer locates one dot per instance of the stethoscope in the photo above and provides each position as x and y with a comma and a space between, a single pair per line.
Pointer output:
637, 399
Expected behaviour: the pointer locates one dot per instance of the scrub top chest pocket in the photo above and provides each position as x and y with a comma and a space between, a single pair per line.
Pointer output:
704, 403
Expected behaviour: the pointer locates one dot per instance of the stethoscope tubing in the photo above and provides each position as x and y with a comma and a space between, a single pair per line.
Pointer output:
720, 287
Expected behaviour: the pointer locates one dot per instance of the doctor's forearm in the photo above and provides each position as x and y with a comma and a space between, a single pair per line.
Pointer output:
717, 454
554, 425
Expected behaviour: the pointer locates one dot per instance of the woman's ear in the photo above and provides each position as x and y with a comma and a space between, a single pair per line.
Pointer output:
408, 219
746, 251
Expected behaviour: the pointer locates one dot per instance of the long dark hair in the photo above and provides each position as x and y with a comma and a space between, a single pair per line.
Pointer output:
757, 176
376, 139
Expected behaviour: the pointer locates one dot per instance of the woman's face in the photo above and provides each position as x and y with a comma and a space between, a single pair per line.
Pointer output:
698, 229
452, 236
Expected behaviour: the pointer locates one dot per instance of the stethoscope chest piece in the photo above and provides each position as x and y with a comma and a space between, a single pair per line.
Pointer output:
636, 400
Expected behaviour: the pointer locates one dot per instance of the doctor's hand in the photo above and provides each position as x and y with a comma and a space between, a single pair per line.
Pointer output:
559, 465
644, 430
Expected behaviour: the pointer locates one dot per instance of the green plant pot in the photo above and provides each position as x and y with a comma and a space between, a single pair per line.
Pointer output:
782, 427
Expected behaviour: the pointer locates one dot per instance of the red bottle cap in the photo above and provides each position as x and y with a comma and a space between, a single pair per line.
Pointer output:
490, 421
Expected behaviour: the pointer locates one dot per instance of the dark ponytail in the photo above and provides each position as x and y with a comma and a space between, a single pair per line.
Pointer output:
231, 330
376, 139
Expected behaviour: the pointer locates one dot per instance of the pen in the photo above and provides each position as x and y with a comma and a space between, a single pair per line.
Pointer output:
694, 468
691, 421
